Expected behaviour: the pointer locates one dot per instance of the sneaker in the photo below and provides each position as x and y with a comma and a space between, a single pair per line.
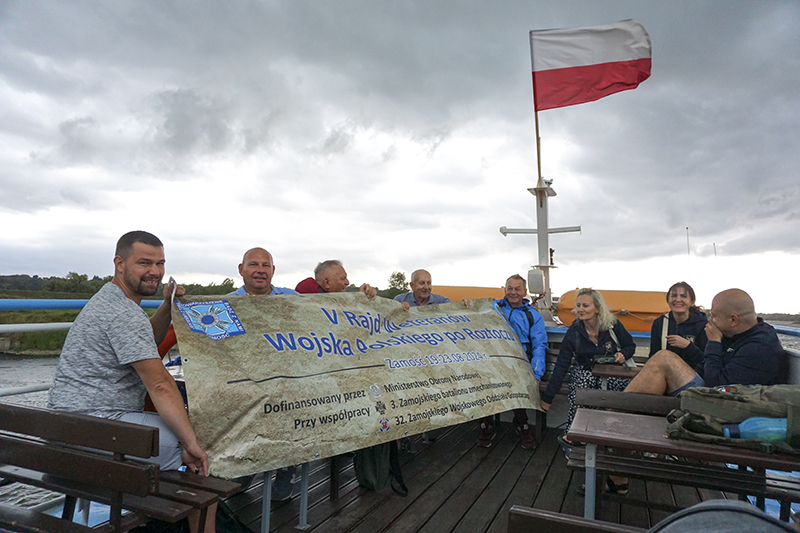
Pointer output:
282, 486
525, 438
398, 487
486, 436
407, 445
428, 437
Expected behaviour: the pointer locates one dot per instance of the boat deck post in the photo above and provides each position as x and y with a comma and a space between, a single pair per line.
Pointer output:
303, 521
266, 501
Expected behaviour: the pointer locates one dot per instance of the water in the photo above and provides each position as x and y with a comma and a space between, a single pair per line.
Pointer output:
20, 371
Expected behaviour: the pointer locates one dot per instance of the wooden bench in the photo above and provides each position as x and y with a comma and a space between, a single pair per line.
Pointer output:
703, 474
627, 402
605, 371
92, 458
528, 520
540, 417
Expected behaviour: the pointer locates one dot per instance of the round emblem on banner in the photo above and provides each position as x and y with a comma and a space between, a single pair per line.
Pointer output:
375, 390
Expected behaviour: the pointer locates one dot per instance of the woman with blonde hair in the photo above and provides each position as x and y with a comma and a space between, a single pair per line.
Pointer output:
595, 334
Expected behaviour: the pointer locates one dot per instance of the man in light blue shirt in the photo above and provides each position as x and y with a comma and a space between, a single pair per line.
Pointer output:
420, 295
257, 269
421, 291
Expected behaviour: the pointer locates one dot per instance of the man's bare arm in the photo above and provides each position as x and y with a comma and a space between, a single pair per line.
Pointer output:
169, 403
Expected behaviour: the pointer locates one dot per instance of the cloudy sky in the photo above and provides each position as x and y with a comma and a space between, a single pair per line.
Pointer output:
399, 135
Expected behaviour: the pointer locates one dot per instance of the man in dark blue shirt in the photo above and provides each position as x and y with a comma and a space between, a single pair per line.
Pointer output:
742, 349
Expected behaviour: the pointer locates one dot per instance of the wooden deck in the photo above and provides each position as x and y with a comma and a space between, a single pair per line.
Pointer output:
455, 486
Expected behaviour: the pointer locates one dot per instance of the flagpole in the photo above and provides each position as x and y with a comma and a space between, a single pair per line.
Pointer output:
540, 181
541, 192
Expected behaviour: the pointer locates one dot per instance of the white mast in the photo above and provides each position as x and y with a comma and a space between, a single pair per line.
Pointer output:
542, 192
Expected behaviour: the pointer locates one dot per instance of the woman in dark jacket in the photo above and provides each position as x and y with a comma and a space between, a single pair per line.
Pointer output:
595, 334
682, 330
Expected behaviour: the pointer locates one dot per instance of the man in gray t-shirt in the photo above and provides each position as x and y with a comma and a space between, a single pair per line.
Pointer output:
110, 357
94, 375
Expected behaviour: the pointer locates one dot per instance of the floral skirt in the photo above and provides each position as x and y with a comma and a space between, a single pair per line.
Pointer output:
583, 379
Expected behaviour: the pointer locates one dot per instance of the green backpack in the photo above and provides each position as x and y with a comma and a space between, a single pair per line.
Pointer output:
705, 411
379, 465
372, 466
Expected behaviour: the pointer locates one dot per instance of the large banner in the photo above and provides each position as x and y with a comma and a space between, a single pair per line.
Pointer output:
279, 380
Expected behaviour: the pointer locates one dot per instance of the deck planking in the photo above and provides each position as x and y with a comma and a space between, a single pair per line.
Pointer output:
457, 487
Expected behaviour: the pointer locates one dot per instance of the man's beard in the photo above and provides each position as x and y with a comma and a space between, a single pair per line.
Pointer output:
139, 286
146, 291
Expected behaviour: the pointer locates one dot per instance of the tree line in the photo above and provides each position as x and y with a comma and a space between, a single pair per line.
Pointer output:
75, 283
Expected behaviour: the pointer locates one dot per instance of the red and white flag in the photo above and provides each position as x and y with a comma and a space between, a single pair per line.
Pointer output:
577, 65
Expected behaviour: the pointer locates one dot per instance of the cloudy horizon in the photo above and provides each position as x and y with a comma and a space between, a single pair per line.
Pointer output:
396, 136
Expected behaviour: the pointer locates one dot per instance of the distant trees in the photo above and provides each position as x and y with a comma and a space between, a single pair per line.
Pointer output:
75, 283
397, 285
21, 282
196, 289
81, 284
398, 281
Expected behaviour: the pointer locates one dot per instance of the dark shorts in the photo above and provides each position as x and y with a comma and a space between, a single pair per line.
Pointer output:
696, 381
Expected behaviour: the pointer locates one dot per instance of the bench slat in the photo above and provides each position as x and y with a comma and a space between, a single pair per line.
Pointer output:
85, 467
527, 520
25, 520
151, 506
197, 498
28, 521
627, 401
221, 487
715, 477
72, 428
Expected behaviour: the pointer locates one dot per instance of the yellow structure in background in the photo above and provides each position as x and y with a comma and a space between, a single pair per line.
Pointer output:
635, 309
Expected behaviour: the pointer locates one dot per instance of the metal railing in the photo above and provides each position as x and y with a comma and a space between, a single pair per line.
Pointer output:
554, 334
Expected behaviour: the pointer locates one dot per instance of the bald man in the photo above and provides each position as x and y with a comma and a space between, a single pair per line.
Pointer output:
257, 269
742, 349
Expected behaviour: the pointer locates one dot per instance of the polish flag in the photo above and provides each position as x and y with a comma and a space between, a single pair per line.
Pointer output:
577, 65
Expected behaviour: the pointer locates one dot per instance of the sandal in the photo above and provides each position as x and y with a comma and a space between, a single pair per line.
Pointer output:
568, 445
621, 489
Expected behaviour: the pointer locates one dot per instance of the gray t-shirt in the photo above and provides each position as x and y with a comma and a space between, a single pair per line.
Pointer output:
94, 375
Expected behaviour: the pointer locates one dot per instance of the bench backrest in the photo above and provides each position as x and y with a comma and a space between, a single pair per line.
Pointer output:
628, 402
71, 428
67, 445
526, 520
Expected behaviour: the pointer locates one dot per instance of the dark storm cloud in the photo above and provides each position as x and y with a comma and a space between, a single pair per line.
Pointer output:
320, 102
